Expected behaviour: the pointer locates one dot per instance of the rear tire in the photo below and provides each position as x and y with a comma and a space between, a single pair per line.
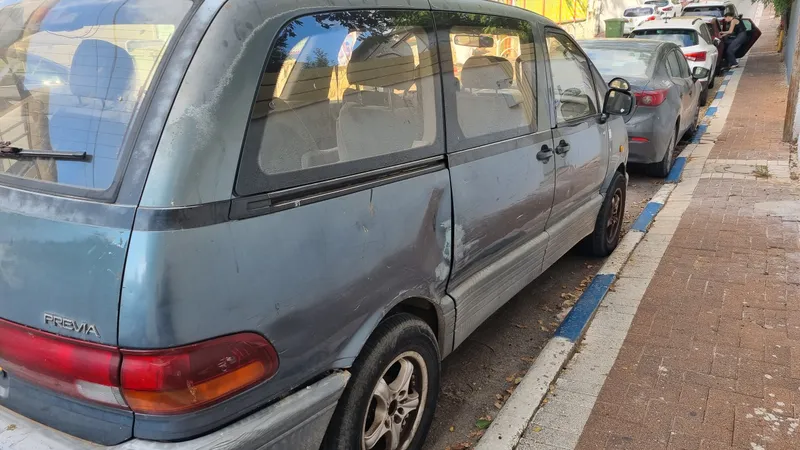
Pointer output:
391, 396
693, 129
703, 97
661, 169
608, 227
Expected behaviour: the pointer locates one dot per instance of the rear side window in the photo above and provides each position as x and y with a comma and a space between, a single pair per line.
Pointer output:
72, 75
673, 66
343, 93
705, 32
493, 63
682, 38
573, 87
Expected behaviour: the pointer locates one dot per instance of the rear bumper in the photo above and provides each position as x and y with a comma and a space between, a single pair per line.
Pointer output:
648, 123
298, 422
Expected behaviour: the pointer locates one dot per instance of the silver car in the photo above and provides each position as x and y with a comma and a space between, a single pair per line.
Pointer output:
667, 95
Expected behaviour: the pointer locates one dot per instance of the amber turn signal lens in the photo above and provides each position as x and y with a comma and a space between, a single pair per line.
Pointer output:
188, 378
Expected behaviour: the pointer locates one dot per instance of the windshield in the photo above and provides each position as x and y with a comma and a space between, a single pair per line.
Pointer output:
72, 74
683, 38
706, 11
619, 62
640, 11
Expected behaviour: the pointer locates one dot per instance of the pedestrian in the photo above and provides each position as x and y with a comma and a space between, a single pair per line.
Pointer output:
735, 36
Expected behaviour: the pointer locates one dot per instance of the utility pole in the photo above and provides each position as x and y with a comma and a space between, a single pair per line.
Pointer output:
794, 80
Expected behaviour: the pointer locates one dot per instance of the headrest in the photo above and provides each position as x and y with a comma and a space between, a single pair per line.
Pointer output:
487, 72
101, 70
375, 64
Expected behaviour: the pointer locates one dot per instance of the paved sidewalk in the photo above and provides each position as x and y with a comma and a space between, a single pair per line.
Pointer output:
706, 314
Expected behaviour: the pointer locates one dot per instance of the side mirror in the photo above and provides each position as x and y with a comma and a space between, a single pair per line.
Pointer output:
618, 102
716, 41
698, 73
619, 83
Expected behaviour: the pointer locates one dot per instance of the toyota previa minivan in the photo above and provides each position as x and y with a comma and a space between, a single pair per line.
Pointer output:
262, 224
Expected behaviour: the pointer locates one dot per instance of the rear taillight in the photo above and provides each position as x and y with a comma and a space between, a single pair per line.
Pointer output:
651, 98
639, 140
188, 378
696, 56
170, 381
650, 18
75, 368
666, 9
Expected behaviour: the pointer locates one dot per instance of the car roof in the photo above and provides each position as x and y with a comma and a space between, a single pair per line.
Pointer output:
676, 23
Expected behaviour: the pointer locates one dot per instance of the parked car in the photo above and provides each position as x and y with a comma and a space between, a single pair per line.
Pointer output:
714, 29
665, 8
262, 224
710, 9
667, 95
692, 36
637, 15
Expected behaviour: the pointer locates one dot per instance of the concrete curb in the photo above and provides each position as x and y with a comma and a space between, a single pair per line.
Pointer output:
508, 427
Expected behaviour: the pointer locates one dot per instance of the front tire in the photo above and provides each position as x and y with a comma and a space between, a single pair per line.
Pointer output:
390, 400
608, 227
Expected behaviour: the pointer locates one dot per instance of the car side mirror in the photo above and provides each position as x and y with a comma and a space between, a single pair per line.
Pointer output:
618, 102
619, 83
716, 41
698, 73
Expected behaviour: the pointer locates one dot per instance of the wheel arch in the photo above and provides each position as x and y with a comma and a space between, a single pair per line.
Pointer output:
439, 315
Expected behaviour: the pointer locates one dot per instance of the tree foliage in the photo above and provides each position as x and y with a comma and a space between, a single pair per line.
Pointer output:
781, 6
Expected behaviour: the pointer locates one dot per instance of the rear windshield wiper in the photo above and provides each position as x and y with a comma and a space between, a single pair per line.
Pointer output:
9, 151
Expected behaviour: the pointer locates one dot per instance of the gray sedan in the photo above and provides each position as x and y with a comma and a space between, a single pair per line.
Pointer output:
667, 95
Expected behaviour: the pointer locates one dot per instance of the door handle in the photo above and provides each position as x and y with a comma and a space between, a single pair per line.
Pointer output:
562, 148
544, 154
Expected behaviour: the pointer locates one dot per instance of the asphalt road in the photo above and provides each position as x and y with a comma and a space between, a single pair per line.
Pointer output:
480, 375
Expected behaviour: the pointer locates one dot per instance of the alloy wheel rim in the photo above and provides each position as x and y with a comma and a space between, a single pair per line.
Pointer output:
615, 218
397, 404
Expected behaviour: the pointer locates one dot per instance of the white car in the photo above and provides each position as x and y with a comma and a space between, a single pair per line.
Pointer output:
692, 35
636, 16
716, 9
665, 8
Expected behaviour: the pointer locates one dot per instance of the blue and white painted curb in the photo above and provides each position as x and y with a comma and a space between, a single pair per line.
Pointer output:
508, 427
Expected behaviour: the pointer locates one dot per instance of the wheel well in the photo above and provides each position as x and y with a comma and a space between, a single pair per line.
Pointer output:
621, 168
421, 308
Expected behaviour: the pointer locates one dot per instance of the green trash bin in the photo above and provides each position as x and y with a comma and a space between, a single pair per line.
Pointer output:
615, 28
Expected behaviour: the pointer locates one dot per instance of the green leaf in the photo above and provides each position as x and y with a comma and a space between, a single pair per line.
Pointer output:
483, 424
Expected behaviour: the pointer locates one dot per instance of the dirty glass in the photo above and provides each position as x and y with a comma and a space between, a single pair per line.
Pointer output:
72, 74
620, 62
572, 81
343, 93
682, 38
495, 81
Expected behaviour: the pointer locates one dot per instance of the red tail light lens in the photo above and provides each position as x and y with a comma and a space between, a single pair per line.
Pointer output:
184, 379
170, 381
651, 98
639, 140
75, 368
666, 9
650, 18
696, 56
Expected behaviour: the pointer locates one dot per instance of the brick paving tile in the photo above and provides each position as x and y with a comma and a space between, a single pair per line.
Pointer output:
712, 358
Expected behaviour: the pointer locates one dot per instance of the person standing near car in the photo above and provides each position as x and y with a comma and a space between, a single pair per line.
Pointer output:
735, 36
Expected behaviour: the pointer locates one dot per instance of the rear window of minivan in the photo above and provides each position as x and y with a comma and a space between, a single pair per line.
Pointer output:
683, 38
72, 75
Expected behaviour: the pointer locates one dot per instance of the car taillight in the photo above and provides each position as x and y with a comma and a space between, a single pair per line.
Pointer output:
75, 368
650, 18
651, 98
169, 381
639, 140
666, 8
184, 379
696, 56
